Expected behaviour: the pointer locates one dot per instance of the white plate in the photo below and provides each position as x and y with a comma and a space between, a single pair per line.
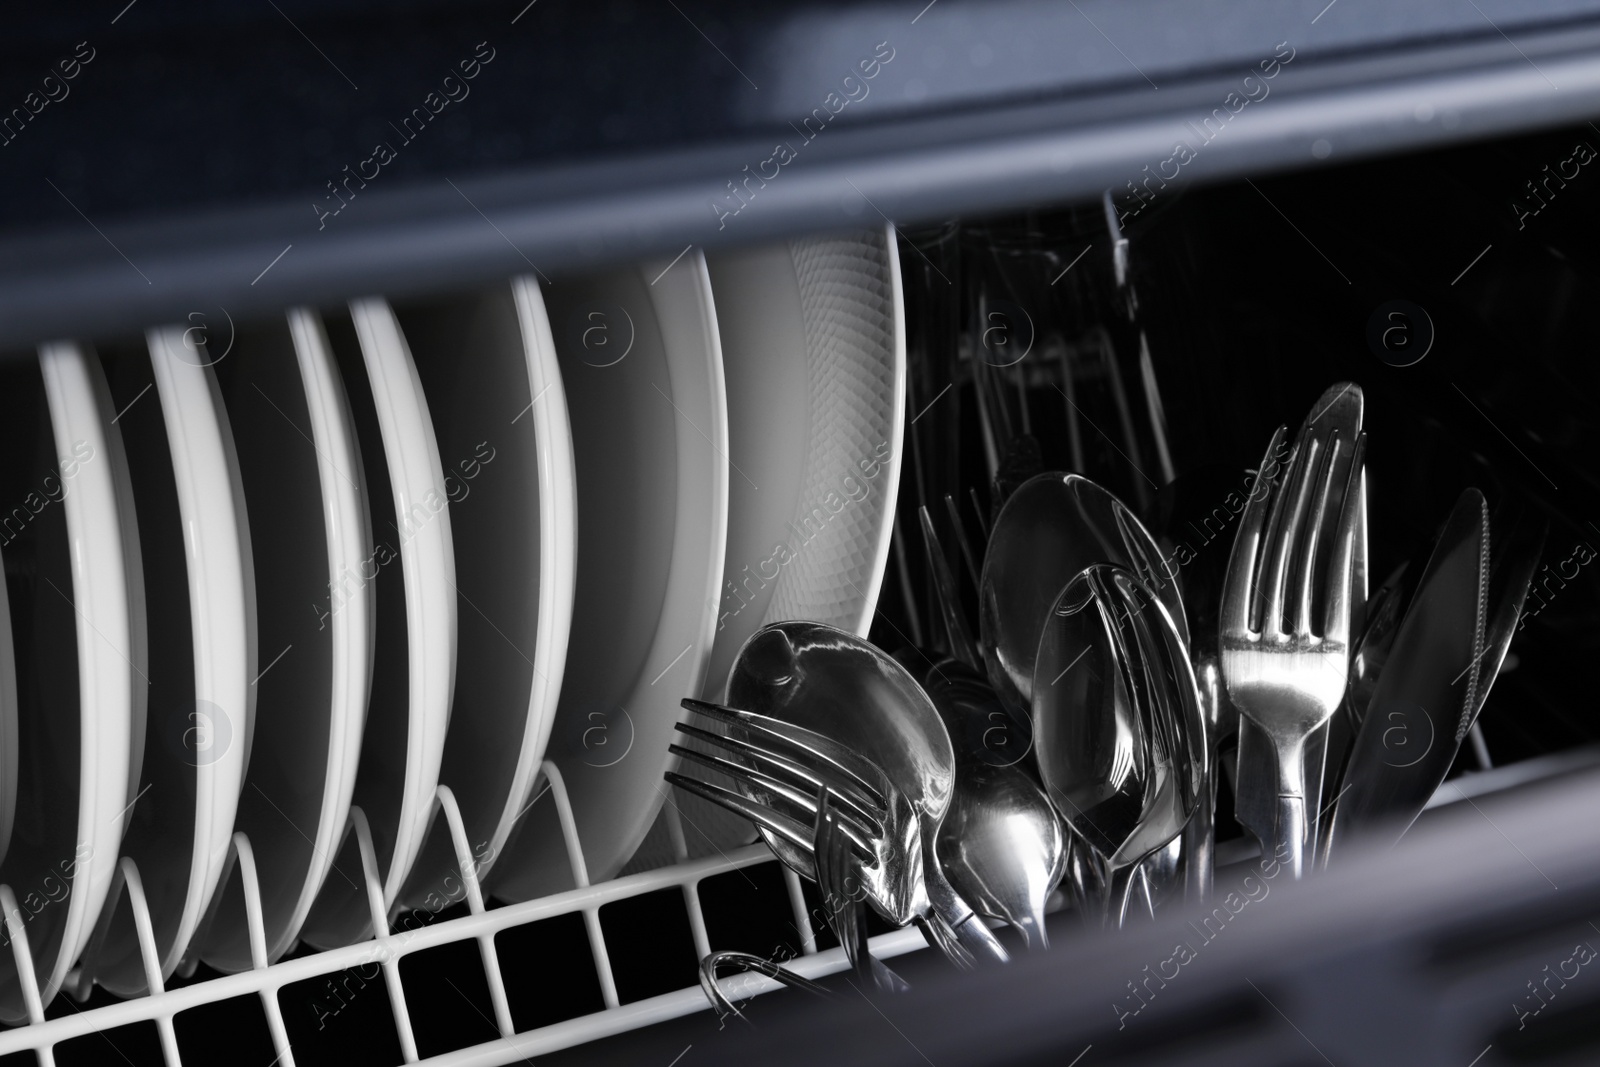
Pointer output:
8, 719
818, 320
642, 366
162, 811
489, 369
405, 736
422, 518
180, 876
108, 614
305, 488
813, 343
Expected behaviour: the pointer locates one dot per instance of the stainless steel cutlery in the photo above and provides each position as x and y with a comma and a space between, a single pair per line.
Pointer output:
1285, 627
1077, 738
1117, 724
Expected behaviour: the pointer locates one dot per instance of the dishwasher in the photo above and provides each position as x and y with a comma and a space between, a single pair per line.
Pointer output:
410, 408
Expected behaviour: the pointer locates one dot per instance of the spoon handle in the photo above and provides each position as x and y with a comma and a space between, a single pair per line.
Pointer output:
1199, 842
1115, 893
957, 915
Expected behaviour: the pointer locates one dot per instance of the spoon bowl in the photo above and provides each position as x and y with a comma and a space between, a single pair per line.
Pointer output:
1053, 527
1001, 843
1118, 727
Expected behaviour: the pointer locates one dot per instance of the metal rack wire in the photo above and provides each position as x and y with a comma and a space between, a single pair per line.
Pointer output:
386, 950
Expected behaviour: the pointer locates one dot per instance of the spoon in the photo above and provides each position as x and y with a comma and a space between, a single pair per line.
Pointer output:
1000, 844
1117, 724
1054, 526
839, 685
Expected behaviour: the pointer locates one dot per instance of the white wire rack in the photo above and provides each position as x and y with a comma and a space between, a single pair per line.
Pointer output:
481, 925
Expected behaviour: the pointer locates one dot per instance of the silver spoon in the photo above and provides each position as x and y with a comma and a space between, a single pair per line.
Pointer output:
846, 689
1118, 728
1000, 844
1054, 526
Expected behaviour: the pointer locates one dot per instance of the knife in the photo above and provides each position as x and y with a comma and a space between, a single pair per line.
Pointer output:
1429, 691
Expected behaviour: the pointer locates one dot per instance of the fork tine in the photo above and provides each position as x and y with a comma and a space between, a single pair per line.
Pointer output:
864, 771
738, 747
1274, 527
791, 830
962, 541
860, 828
1283, 540
833, 859
1306, 569
784, 760
747, 776
957, 637
1237, 588
1336, 620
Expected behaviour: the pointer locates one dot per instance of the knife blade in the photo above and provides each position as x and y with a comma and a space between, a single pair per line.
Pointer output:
1428, 693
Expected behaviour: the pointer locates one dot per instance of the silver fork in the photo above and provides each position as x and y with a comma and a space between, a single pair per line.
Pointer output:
1285, 670
948, 922
783, 770
844, 880
842, 892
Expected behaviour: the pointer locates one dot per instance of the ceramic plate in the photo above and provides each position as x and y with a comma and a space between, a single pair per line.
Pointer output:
8, 719
813, 343
84, 577
642, 366
414, 663
207, 735
306, 494
488, 366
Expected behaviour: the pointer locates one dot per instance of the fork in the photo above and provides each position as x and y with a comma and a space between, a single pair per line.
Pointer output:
794, 768
892, 888
836, 865
1285, 665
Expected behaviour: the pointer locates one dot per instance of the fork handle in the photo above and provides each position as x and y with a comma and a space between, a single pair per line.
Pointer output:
1289, 843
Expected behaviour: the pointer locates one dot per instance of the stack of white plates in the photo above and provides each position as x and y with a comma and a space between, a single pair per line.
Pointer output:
263, 577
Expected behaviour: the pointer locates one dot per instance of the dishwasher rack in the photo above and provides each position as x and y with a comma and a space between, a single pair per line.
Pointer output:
386, 951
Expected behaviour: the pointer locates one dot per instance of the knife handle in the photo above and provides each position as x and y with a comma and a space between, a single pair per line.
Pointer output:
1255, 784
